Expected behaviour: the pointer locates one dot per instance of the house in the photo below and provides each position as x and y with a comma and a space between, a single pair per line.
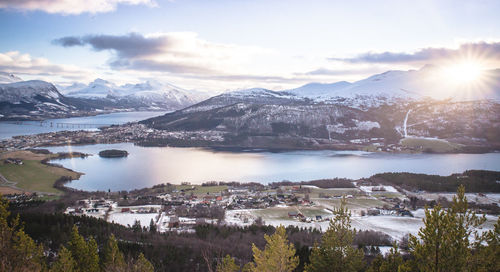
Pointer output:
293, 214
13, 161
173, 222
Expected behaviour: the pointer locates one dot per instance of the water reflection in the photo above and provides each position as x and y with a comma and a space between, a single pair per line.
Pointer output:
8, 129
147, 166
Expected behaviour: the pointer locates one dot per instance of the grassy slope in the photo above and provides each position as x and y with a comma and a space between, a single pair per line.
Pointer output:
430, 145
32, 175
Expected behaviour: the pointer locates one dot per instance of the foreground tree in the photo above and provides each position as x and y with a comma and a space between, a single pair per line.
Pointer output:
443, 243
65, 262
277, 256
336, 252
113, 260
18, 252
227, 265
142, 265
84, 253
392, 262
485, 257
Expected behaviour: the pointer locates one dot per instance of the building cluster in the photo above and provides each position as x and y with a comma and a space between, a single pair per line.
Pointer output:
132, 132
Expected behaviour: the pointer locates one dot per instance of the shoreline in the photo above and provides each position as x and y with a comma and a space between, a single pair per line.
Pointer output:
70, 115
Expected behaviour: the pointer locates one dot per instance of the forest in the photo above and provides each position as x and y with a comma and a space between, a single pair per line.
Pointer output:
475, 181
58, 242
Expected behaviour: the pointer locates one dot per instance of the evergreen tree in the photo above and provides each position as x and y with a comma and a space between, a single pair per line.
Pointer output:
152, 226
78, 247
65, 262
277, 256
18, 252
136, 227
393, 261
84, 254
27, 254
336, 253
142, 265
113, 259
485, 257
92, 256
227, 265
443, 243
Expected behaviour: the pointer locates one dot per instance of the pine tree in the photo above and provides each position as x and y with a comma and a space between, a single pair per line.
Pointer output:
85, 254
393, 261
443, 243
92, 256
113, 259
277, 256
18, 252
485, 257
136, 227
65, 262
227, 265
152, 226
28, 255
142, 265
78, 247
336, 253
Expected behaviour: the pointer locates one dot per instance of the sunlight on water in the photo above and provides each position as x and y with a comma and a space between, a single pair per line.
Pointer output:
147, 166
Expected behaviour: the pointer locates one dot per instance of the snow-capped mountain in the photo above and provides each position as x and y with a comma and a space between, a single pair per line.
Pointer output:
8, 78
314, 90
413, 84
98, 88
27, 99
28, 91
377, 111
153, 94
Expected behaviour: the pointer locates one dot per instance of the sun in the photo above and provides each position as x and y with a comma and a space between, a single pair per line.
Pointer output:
463, 72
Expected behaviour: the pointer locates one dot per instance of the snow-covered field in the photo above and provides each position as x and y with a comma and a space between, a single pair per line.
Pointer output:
369, 189
395, 226
487, 198
129, 218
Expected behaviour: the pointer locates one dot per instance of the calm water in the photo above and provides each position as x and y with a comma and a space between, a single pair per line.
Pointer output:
147, 166
7, 129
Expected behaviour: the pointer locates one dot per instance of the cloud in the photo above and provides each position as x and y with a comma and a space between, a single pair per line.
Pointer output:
126, 46
71, 6
24, 64
175, 52
477, 50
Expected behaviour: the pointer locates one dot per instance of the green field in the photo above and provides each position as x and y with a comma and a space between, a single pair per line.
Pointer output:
430, 145
32, 175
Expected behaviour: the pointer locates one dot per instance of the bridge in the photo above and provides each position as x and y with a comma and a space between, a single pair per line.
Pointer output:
59, 124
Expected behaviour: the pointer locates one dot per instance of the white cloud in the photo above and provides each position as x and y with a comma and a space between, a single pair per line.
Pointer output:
71, 6
24, 64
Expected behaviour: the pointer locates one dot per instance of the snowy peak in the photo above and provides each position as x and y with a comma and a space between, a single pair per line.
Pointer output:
319, 89
8, 78
413, 84
256, 92
27, 91
150, 93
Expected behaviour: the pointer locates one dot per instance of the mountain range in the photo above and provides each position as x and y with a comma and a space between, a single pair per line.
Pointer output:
379, 111
36, 99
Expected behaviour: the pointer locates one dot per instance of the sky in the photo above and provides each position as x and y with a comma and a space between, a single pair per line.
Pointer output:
221, 45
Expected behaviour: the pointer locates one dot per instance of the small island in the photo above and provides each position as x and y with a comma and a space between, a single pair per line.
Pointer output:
113, 153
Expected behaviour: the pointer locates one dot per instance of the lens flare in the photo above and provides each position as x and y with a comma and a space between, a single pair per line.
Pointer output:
463, 73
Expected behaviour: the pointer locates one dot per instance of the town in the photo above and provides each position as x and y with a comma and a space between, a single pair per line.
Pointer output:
180, 208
